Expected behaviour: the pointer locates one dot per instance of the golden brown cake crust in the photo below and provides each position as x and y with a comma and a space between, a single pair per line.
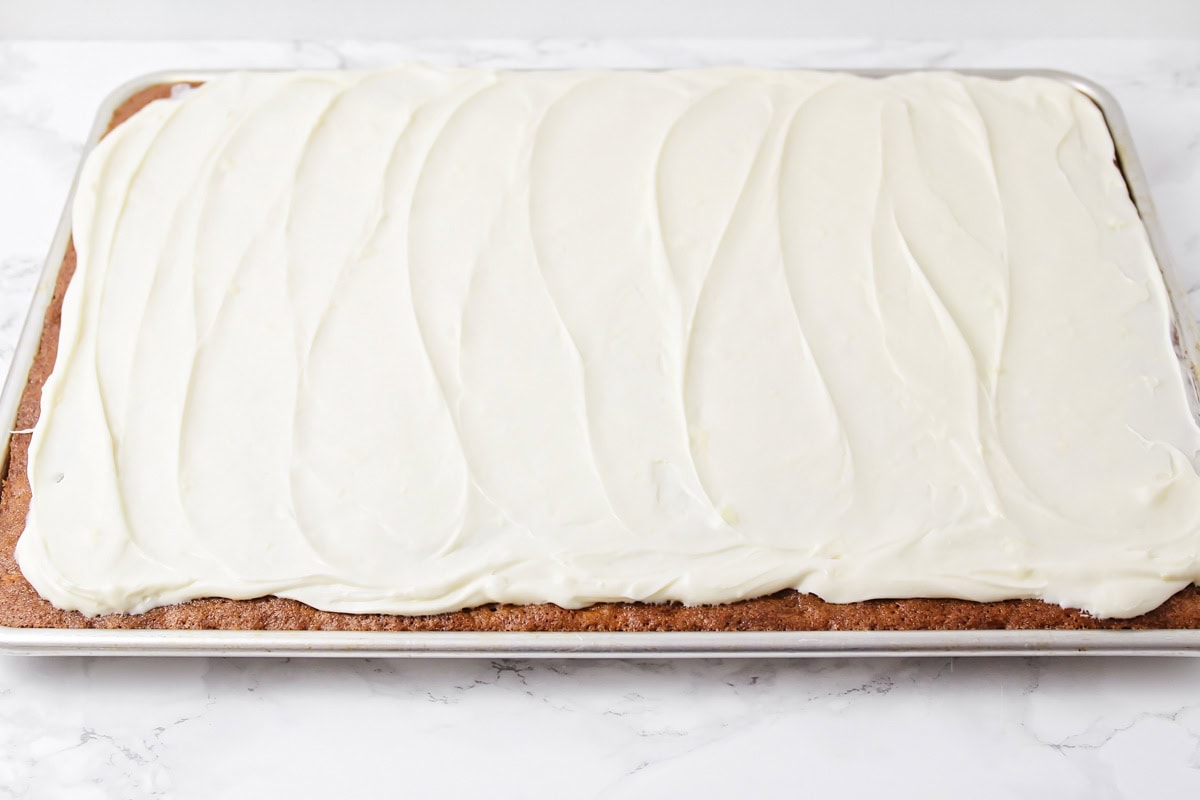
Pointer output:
20, 605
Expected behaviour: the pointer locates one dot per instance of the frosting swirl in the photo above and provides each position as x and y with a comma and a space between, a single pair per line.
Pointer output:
415, 340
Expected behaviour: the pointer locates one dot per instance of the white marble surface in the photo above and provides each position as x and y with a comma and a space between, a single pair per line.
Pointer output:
389, 20
202, 728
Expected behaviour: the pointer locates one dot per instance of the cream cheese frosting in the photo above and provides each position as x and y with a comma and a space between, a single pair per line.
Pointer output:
415, 340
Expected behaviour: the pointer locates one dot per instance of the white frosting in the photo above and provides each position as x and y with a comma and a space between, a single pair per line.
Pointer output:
416, 340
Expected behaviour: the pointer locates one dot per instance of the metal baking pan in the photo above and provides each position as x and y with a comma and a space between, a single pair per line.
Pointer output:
45, 641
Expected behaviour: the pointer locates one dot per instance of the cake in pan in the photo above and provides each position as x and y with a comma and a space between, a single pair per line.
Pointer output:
707, 349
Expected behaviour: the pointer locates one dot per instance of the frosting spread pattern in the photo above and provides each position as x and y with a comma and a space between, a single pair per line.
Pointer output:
415, 340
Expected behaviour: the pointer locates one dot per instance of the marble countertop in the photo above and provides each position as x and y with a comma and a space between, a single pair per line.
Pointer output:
207, 727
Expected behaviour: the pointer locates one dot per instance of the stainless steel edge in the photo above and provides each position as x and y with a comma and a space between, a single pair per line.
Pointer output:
78, 642
592, 645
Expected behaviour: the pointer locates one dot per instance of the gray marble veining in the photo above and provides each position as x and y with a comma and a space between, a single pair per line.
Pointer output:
223, 728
